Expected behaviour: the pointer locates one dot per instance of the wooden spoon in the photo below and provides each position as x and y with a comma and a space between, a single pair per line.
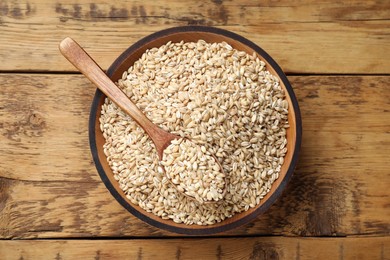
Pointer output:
76, 55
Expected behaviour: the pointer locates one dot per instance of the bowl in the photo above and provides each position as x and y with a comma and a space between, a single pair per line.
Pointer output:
188, 34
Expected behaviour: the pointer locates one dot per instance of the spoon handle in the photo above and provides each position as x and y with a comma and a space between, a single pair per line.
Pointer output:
86, 65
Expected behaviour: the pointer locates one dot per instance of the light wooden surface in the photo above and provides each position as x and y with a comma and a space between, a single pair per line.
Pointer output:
50, 187
337, 55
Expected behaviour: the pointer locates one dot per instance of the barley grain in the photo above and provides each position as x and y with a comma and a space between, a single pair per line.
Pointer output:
221, 98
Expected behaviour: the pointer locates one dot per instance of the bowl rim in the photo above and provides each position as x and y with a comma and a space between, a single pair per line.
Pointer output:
209, 229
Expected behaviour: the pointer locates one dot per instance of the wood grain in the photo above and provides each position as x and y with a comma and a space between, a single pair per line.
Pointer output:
326, 37
227, 248
49, 187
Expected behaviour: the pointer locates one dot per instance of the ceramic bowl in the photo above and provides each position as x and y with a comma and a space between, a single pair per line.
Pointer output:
188, 34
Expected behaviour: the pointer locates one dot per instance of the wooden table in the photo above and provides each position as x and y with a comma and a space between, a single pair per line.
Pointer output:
336, 55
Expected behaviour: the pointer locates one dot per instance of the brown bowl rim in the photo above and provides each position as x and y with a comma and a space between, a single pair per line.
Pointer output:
207, 230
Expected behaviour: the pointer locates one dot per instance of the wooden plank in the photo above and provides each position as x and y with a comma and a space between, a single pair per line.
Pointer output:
49, 187
221, 248
326, 37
